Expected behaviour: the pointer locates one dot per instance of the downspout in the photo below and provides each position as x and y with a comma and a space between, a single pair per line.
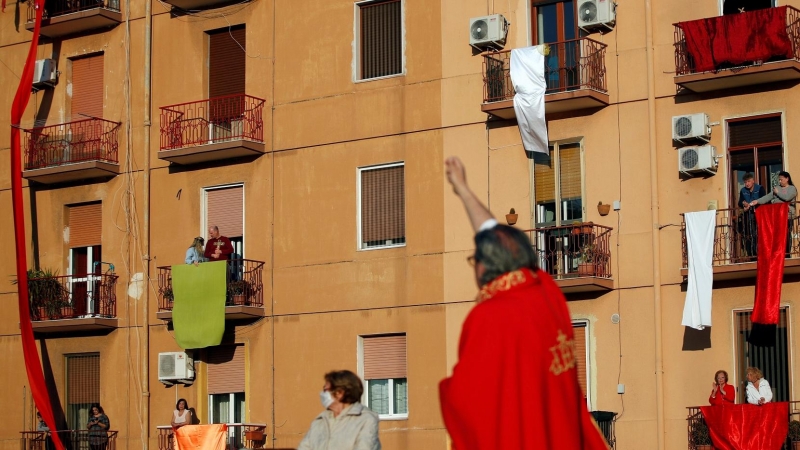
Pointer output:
148, 35
654, 210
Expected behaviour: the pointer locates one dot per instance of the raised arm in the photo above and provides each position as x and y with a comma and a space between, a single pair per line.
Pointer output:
456, 175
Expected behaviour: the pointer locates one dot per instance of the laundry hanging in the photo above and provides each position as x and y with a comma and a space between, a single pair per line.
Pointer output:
700, 250
527, 76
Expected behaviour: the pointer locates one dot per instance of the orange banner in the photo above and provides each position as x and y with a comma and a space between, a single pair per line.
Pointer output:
201, 437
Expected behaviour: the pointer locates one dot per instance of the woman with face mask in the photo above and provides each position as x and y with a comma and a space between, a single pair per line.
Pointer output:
345, 424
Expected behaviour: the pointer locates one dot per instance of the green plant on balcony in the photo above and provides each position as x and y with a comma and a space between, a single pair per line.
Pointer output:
587, 260
46, 295
794, 434
238, 291
700, 434
168, 295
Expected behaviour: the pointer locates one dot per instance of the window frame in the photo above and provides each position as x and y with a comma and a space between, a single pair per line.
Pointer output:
721, 6
533, 23
67, 357
356, 71
365, 394
204, 213
585, 323
359, 235
557, 181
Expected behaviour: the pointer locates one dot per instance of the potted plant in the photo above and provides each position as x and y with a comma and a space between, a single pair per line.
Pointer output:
238, 290
168, 295
46, 294
583, 228
794, 434
700, 436
254, 435
587, 258
511, 217
603, 209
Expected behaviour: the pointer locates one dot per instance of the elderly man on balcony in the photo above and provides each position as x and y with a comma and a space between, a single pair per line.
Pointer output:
750, 193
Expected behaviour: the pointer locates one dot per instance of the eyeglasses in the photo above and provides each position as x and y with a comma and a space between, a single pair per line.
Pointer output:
471, 260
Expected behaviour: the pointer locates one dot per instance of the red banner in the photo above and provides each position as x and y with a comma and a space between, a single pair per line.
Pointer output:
772, 221
747, 427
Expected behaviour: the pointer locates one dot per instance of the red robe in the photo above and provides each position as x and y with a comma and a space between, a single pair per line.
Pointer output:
516, 384
728, 399
225, 247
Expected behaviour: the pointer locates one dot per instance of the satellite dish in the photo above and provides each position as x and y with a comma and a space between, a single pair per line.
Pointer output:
588, 12
479, 30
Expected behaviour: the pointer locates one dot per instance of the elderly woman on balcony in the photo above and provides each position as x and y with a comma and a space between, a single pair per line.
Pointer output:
722, 393
785, 192
758, 390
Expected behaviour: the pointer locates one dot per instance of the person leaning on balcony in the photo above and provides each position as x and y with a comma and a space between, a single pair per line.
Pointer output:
218, 248
751, 192
181, 416
98, 427
758, 390
195, 252
42, 427
722, 393
785, 192
345, 424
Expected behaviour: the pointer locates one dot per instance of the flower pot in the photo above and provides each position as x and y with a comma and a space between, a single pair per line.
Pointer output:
795, 445
704, 447
587, 269
67, 312
511, 219
238, 299
42, 313
254, 435
603, 209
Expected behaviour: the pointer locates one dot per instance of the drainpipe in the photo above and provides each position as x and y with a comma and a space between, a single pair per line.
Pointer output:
654, 209
148, 35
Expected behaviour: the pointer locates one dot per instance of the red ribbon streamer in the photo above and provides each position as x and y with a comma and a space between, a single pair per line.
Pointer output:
32, 364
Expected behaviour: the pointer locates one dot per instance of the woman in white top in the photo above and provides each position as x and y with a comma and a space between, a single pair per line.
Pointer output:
181, 416
758, 390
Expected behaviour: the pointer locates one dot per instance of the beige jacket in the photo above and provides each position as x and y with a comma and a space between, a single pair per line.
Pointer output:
356, 428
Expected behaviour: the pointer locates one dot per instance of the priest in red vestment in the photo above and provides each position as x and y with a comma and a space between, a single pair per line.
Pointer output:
218, 248
515, 385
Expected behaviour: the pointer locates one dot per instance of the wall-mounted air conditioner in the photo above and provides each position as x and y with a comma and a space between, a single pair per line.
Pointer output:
175, 367
488, 32
45, 73
690, 127
596, 14
697, 160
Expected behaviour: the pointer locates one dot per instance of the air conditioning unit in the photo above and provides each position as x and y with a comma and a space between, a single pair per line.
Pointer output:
691, 126
175, 367
45, 73
694, 160
488, 31
594, 14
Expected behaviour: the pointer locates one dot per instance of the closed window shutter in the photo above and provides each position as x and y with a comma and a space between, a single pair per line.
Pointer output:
570, 171
226, 369
83, 379
225, 209
381, 39
85, 225
753, 132
227, 58
87, 87
579, 330
385, 357
383, 206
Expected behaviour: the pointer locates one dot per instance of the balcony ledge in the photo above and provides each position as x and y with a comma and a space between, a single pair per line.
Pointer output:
237, 312
77, 22
235, 148
72, 172
771, 72
74, 325
746, 270
197, 4
585, 284
579, 99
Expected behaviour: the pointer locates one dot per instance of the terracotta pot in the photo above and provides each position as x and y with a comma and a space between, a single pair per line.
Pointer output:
511, 219
704, 447
254, 435
587, 269
604, 209
238, 299
42, 313
795, 445
67, 312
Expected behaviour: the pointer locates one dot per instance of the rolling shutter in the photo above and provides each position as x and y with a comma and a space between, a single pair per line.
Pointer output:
226, 66
381, 39
383, 206
570, 171
85, 225
225, 209
87, 87
385, 357
579, 329
226, 369
752, 132
83, 379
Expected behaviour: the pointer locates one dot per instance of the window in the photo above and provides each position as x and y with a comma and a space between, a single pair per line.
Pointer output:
737, 6
224, 207
773, 361
551, 23
380, 42
383, 363
226, 83
85, 256
87, 87
581, 338
382, 206
83, 388
226, 397
754, 145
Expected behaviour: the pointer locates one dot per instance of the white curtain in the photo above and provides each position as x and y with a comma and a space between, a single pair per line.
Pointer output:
700, 249
527, 76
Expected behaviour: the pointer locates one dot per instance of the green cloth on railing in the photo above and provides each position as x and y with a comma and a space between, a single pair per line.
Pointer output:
198, 314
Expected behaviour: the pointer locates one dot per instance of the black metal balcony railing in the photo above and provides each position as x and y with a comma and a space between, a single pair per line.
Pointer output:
244, 284
73, 296
72, 142
684, 64
573, 251
736, 238
54, 8
605, 421
570, 65
72, 439
697, 430
240, 435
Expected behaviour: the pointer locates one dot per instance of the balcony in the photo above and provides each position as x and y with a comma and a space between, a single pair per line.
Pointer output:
577, 256
72, 151
198, 4
240, 435
73, 303
65, 17
575, 72
72, 439
245, 291
734, 245
214, 129
708, 71
697, 430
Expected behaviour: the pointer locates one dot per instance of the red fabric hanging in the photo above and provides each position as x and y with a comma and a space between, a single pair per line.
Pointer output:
772, 228
32, 364
737, 38
747, 427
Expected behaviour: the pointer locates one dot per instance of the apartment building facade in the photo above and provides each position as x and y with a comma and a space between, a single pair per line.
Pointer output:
313, 134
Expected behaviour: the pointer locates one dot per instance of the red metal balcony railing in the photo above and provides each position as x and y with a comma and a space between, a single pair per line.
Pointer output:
218, 119
240, 435
54, 8
245, 285
73, 296
736, 238
697, 430
570, 65
684, 64
72, 439
573, 251
72, 142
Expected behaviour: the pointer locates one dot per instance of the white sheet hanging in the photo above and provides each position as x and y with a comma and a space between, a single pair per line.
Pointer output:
700, 249
527, 76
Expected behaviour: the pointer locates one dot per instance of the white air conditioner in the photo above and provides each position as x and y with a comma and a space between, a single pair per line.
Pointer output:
488, 31
693, 160
691, 126
45, 73
593, 14
175, 367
